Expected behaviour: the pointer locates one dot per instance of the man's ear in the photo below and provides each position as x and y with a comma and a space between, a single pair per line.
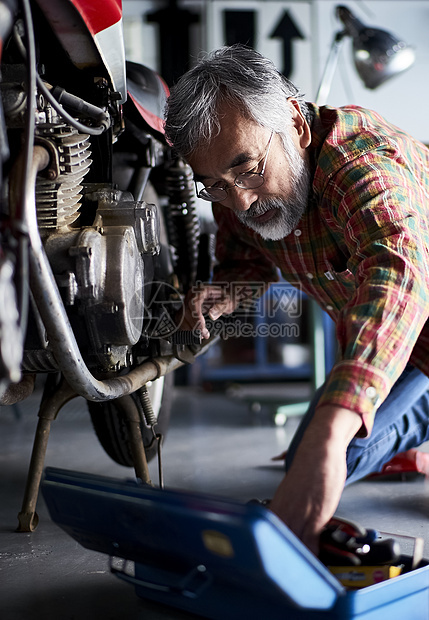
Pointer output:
300, 124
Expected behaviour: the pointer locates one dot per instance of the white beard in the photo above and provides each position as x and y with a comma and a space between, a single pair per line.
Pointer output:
289, 210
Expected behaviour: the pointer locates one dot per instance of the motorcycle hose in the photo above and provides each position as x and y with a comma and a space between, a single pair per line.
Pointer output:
93, 131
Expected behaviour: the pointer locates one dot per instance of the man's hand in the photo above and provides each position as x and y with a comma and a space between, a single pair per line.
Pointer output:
310, 492
206, 299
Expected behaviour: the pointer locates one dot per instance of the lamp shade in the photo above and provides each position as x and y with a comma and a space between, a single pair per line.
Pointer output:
378, 55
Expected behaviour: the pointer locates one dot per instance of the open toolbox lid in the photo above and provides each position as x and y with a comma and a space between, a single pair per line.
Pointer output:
165, 529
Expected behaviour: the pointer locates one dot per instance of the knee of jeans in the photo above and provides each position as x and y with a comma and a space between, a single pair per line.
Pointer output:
412, 431
367, 456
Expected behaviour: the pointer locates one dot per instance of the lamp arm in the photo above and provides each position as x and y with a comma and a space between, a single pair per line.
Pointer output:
330, 66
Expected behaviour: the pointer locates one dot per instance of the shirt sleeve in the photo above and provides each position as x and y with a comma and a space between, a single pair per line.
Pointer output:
379, 205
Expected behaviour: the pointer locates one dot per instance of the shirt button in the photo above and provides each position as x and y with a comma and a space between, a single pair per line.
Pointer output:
371, 392
297, 232
310, 276
329, 307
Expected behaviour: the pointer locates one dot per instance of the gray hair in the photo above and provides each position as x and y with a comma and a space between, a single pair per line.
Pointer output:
239, 76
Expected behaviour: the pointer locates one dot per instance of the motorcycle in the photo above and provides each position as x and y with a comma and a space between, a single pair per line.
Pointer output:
99, 236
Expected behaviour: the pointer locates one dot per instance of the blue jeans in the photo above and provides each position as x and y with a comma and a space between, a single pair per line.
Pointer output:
401, 423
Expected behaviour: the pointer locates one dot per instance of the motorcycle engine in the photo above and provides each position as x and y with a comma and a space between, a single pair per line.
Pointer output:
101, 273
99, 242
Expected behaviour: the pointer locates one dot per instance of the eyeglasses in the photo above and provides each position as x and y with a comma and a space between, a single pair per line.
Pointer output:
244, 180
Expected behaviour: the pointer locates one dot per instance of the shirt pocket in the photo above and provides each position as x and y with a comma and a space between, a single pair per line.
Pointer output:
340, 284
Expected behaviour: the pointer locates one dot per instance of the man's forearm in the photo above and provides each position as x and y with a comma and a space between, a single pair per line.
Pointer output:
336, 423
310, 492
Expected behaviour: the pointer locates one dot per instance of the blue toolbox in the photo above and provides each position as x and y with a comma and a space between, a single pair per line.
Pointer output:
217, 558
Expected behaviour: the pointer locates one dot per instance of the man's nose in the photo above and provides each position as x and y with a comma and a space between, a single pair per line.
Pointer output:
240, 199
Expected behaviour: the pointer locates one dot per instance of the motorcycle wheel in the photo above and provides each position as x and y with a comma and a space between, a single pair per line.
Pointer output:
111, 428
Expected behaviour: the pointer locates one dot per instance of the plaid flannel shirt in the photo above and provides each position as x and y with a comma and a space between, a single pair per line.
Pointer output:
360, 250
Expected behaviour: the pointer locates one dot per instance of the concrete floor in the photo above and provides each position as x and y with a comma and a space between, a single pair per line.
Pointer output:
215, 444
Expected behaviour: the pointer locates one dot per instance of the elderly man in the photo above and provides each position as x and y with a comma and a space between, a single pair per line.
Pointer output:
337, 200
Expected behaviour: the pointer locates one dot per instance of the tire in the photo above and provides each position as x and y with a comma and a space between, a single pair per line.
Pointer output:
111, 429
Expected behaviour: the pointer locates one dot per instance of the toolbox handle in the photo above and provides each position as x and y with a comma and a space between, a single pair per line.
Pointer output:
191, 585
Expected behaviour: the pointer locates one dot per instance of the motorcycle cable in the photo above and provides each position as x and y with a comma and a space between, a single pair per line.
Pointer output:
93, 131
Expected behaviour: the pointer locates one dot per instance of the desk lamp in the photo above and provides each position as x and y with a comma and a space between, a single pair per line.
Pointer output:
377, 54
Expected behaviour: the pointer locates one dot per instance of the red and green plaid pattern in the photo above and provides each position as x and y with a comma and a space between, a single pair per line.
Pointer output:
361, 251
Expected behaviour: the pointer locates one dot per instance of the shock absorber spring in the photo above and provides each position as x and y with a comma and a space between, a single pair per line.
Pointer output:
182, 221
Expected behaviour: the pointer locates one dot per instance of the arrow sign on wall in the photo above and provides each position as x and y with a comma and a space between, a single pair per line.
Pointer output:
287, 30
239, 27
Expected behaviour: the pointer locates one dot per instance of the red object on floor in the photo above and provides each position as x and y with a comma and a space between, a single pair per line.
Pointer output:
403, 464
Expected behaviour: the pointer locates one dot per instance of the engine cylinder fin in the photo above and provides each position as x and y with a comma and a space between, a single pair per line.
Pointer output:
58, 201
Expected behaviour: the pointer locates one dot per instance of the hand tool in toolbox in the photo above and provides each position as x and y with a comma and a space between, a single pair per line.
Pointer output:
360, 557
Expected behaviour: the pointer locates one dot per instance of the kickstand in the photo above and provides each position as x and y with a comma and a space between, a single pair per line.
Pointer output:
55, 396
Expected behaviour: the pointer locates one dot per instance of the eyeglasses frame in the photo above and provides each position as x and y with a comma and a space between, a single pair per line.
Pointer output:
226, 188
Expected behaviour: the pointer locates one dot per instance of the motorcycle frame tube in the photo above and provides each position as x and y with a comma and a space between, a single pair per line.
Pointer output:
59, 331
